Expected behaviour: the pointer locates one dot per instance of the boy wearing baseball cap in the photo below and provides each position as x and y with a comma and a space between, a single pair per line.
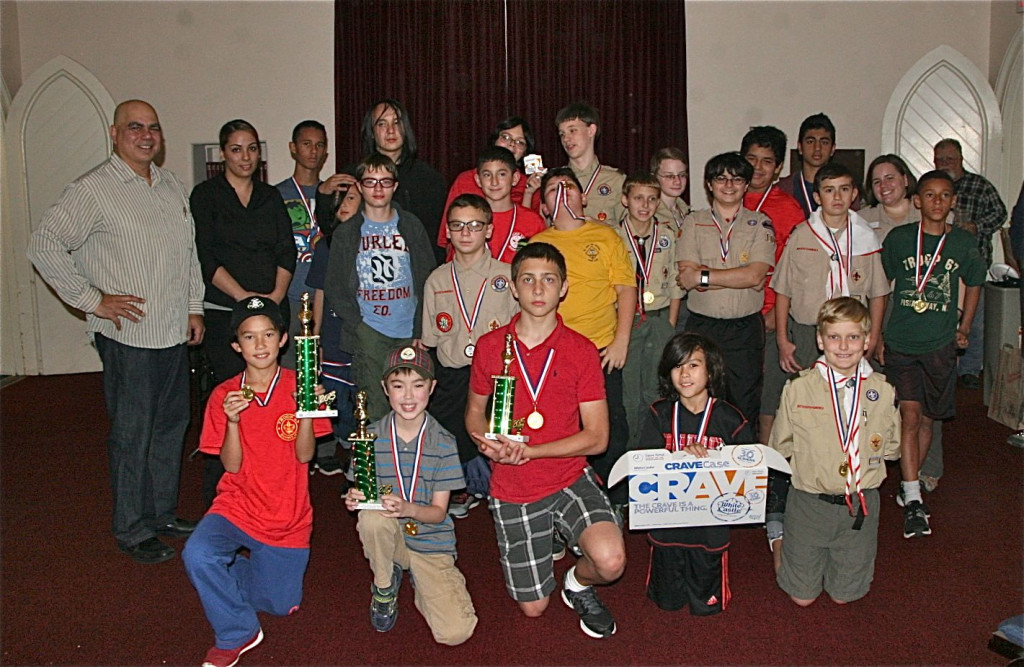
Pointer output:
419, 461
262, 501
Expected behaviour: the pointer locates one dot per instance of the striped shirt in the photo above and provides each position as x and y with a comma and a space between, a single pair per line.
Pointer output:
111, 232
440, 470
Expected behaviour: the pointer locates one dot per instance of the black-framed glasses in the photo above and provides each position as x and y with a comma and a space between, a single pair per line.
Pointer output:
374, 182
509, 139
459, 225
729, 180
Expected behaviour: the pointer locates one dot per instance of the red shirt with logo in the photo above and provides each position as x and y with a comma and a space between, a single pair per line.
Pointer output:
268, 498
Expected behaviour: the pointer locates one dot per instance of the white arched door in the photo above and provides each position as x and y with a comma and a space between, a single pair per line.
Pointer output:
56, 130
944, 95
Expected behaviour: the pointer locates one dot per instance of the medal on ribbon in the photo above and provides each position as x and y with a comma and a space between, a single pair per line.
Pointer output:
723, 238
920, 303
248, 393
702, 430
848, 430
468, 319
408, 491
645, 265
535, 419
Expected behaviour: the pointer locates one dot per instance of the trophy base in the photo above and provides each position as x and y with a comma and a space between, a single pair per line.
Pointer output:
305, 414
370, 506
515, 438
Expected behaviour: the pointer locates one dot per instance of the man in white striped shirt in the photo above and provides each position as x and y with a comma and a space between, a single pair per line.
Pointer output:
119, 245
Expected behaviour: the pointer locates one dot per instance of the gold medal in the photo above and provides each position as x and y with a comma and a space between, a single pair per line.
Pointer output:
410, 528
648, 298
920, 305
247, 392
535, 420
844, 469
469, 350
385, 489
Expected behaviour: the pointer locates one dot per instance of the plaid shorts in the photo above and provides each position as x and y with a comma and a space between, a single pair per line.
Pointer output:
525, 533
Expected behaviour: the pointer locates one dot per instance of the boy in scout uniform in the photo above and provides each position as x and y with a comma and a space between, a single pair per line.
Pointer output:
838, 462
835, 254
651, 245
724, 254
578, 128
463, 299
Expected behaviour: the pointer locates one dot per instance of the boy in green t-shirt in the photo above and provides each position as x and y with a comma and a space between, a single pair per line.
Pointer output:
927, 261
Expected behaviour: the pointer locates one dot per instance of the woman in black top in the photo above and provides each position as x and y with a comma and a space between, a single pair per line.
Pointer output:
244, 242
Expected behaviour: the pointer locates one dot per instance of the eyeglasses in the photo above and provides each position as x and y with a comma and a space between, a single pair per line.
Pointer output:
682, 176
729, 180
459, 225
374, 182
509, 139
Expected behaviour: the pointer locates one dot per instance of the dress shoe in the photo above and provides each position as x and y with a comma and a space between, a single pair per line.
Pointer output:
149, 551
177, 528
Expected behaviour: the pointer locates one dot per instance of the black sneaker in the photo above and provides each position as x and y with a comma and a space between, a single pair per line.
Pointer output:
595, 619
901, 501
384, 603
149, 551
557, 547
329, 465
915, 520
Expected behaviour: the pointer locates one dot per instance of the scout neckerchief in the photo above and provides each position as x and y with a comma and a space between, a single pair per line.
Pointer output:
535, 419
309, 205
702, 430
511, 230
644, 264
562, 200
848, 428
262, 402
839, 266
723, 240
469, 319
920, 304
408, 492
763, 198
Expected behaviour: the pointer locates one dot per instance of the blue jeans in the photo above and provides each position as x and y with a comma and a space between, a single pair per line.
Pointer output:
972, 359
147, 399
232, 587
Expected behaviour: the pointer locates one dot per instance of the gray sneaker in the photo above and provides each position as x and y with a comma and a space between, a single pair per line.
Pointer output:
1016, 439
384, 603
595, 619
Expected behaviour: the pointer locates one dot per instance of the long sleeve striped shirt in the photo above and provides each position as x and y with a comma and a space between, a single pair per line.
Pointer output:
111, 232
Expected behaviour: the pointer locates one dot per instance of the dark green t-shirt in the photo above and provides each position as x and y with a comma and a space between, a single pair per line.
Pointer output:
911, 332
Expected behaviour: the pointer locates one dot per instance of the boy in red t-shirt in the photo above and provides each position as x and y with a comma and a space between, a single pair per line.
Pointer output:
546, 484
262, 501
497, 175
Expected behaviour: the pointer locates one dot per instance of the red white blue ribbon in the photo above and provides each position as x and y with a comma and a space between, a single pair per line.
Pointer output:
407, 491
919, 281
723, 240
469, 319
534, 388
848, 430
262, 402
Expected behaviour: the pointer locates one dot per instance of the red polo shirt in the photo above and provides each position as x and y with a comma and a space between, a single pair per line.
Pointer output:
786, 214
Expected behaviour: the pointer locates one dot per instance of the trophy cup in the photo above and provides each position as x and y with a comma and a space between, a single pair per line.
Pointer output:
364, 463
307, 370
502, 400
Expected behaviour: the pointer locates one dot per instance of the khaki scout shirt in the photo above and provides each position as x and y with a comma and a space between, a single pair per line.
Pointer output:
805, 432
443, 325
675, 214
604, 199
877, 220
753, 240
803, 270
663, 267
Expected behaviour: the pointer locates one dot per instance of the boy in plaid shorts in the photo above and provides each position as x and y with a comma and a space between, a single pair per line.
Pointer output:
546, 483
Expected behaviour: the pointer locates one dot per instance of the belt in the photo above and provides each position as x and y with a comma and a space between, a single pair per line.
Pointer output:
840, 499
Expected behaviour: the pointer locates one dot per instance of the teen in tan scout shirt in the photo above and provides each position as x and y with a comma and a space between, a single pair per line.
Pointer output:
452, 326
651, 244
578, 128
816, 266
669, 166
724, 254
832, 511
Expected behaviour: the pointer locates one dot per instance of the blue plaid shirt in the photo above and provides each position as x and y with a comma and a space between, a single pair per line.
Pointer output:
978, 201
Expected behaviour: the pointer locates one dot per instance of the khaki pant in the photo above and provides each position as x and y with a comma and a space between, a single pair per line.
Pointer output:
440, 588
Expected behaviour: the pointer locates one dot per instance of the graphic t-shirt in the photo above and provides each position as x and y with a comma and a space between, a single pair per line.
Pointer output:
912, 332
304, 230
386, 300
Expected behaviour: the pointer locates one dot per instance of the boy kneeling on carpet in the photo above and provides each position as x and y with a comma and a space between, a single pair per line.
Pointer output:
262, 501
838, 424
419, 460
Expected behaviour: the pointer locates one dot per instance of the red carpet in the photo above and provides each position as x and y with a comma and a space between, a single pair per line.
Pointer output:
70, 597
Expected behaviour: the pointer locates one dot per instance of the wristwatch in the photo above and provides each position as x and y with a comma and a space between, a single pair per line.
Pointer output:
705, 278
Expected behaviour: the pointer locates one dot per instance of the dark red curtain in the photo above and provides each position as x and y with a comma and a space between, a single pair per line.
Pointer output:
459, 66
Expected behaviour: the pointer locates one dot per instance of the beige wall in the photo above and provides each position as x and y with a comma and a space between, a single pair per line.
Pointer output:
1006, 21
10, 46
202, 63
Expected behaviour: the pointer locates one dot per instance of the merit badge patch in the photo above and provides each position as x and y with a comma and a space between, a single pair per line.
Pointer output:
444, 322
499, 284
602, 216
872, 394
604, 190
287, 427
663, 242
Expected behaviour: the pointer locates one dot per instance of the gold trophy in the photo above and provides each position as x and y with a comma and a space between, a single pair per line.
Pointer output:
502, 401
364, 462
307, 370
